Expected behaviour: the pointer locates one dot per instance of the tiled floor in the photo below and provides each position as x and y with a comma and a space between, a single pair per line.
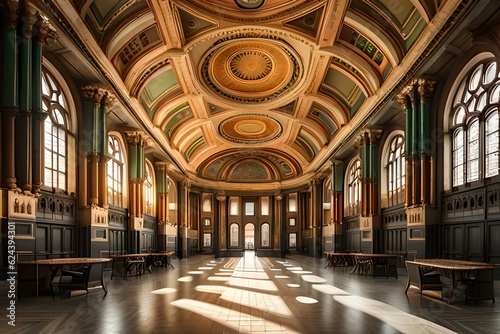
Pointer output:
252, 295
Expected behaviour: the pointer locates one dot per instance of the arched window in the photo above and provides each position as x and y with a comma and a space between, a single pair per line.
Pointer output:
234, 237
265, 235
396, 171
475, 125
150, 190
353, 185
207, 203
55, 133
115, 171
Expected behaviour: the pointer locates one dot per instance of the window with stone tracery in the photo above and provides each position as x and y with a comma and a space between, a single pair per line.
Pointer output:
115, 171
149, 191
55, 133
353, 188
475, 125
396, 170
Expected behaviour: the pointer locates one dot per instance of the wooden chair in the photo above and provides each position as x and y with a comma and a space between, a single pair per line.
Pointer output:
421, 280
479, 286
71, 280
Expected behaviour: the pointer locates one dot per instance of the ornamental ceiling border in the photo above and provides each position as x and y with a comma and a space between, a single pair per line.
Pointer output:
259, 32
275, 16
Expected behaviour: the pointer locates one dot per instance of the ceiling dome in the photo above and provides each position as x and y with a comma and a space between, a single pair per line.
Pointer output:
249, 70
250, 129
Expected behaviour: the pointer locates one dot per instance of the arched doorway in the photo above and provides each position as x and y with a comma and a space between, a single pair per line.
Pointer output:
249, 236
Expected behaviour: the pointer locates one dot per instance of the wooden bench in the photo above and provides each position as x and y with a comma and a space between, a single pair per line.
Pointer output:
418, 278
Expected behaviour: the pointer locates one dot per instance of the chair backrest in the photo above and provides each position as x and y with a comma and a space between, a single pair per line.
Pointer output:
414, 273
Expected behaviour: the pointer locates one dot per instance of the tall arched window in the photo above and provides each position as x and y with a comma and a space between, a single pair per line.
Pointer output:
149, 190
115, 171
475, 125
55, 133
234, 236
353, 185
396, 171
265, 235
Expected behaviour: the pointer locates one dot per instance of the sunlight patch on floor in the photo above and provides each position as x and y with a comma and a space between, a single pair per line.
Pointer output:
185, 279
306, 300
402, 321
313, 279
329, 289
218, 289
260, 301
233, 319
164, 291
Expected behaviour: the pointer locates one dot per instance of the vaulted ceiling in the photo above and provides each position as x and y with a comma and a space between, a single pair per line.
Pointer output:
251, 92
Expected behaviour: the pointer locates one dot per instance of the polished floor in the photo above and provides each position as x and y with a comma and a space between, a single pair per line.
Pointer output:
252, 295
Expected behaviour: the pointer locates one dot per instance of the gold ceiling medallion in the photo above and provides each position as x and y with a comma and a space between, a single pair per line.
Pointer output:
251, 69
250, 129
249, 4
251, 65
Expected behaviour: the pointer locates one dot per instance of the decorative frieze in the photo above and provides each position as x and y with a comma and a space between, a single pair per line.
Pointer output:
96, 216
421, 215
21, 205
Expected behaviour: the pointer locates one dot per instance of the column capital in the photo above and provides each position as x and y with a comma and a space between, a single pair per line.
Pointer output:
43, 32
135, 138
425, 89
221, 196
98, 94
28, 21
162, 166
402, 99
10, 11
373, 135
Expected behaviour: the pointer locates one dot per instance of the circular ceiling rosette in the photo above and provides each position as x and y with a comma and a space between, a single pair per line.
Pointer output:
252, 70
250, 129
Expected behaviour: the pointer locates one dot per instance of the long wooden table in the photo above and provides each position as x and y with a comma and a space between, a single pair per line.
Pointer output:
364, 263
369, 263
56, 265
126, 265
333, 259
459, 270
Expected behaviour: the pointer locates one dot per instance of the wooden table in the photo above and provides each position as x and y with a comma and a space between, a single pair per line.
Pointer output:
162, 259
56, 265
460, 270
125, 265
333, 259
369, 263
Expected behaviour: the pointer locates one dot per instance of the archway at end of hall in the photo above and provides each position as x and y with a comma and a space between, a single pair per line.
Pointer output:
249, 236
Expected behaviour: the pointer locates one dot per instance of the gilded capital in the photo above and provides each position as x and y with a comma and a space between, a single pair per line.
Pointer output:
10, 11
43, 32
99, 95
402, 100
425, 89
373, 135
108, 99
162, 166
221, 196
133, 137
28, 21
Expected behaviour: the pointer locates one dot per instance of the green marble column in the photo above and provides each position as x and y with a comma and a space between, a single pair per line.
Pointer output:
9, 15
23, 127
36, 112
427, 179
